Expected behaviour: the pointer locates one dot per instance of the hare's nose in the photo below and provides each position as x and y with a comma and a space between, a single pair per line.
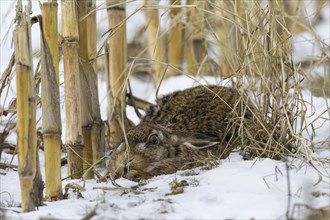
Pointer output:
125, 169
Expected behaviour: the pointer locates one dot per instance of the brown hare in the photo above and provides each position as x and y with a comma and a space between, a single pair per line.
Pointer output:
182, 130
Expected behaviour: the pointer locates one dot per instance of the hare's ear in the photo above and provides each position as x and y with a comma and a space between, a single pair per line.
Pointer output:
196, 140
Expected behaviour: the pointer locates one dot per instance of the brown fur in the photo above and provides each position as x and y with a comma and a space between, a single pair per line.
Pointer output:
189, 126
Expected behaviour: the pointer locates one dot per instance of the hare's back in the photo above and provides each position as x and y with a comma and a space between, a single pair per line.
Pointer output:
202, 109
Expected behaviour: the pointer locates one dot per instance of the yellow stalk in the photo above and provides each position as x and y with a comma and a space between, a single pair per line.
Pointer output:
51, 116
92, 36
175, 38
26, 180
226, 37
117, 70
195, 37
155, 41
86, 102
28, 163
74, 137
92, 52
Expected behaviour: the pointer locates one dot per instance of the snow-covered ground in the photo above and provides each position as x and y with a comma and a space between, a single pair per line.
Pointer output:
234, 189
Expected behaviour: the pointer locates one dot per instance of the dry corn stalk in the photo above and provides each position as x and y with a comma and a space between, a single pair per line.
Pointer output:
226, 33
175, 38
117, 69
74, 137
96, 137
28, 161
92, 34
195, 35
50, 98
85, 92
155, 41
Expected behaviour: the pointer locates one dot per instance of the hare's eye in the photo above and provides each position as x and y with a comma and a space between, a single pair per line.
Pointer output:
154, 139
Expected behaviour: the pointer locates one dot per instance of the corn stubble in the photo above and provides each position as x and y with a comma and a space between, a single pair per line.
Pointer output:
85, 92
51, 115
195, 35
97, 137
70, 46
28, 162
155, 40
117, 70
175, 38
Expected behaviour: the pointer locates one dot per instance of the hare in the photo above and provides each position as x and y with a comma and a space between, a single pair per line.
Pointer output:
182, 130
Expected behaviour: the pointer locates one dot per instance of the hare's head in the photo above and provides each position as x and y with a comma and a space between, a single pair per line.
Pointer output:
151, 150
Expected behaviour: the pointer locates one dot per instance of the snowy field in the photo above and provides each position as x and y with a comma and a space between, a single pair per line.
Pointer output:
234, 189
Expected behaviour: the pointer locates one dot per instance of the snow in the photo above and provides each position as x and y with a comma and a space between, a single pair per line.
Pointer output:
234, 189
